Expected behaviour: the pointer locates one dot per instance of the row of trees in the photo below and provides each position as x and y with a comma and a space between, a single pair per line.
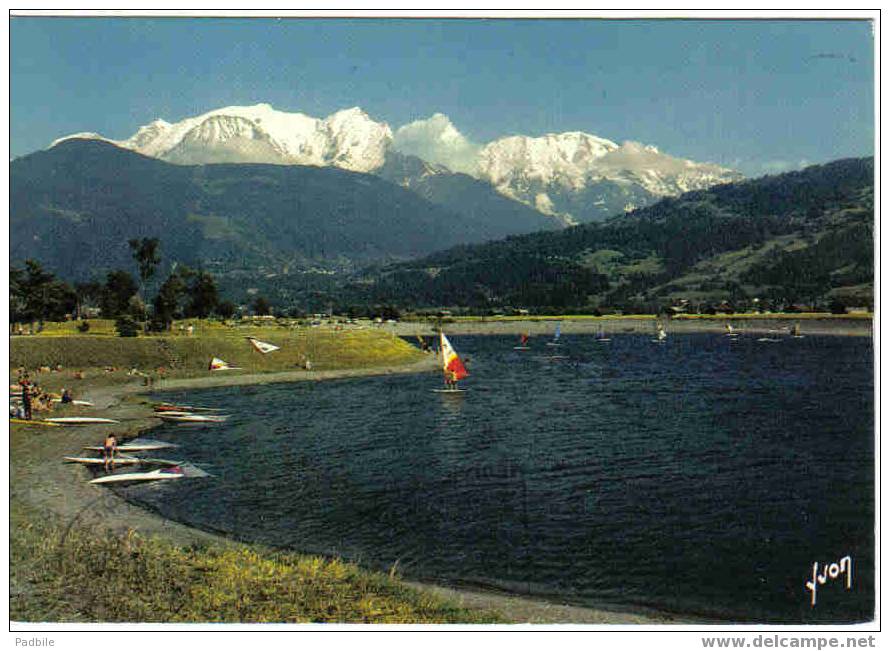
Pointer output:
36, 295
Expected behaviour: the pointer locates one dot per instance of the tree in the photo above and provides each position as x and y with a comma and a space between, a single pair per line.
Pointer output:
16, 295
119, 288
145, 253
226, 309
261, 306
166, 303
89, 292
36, 295
203, 297
126, 326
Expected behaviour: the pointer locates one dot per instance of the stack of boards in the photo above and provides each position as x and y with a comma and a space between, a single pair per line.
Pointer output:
169, 469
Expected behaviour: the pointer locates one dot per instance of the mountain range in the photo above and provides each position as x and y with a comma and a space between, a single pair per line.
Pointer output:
75, 206
416, 234
569, 177
803, 237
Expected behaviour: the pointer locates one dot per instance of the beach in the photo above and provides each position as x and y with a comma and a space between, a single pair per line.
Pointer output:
40, 483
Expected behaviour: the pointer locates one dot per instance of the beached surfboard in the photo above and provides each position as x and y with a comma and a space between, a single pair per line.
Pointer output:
23, 421
135, 447
81, 420
154, 475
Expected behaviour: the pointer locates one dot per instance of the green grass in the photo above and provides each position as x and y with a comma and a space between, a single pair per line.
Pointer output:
181, 355
82, 575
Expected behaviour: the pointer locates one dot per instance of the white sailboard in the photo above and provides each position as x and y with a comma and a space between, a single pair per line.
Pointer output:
174, 472
262, 346
556, 336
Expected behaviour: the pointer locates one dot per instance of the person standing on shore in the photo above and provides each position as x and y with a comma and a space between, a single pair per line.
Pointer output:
26, 397
108, 450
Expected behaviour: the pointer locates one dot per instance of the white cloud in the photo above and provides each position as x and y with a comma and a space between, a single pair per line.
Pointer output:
437, 141
779, 166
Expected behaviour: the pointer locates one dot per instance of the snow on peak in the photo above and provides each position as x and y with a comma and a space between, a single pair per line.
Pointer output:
554, 173
566, 158
348, 138
83, 135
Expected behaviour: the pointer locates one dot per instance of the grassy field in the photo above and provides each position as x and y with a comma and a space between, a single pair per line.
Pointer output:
182, 355
79, 575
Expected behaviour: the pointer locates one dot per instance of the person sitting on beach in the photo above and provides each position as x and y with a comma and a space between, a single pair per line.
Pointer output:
108, 450
66, 397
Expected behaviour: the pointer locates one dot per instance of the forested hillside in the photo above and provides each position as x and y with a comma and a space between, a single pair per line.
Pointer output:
801, 238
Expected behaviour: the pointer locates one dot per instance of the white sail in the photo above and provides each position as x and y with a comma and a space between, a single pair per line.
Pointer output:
262, 346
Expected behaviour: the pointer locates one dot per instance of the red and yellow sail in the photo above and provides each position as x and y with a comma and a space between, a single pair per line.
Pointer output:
452, 366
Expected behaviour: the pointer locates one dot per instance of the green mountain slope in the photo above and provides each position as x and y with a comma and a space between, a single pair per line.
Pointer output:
802, 237
74, 207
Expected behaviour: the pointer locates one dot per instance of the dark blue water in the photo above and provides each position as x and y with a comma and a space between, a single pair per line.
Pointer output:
699, 476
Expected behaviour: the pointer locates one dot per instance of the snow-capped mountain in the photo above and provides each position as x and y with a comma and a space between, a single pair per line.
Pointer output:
259, 134
572, 177
579, 177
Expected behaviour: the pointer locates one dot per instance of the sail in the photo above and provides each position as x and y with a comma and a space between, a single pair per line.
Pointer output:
216, 364
523, 339
556, 334
262, 346
451, 364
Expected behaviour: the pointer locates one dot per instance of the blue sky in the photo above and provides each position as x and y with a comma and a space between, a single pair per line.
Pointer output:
760, 96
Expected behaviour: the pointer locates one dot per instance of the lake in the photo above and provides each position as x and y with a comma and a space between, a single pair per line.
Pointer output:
702, 476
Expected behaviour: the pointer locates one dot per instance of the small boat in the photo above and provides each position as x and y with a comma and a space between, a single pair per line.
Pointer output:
452, 367
556, 335
81, 420
601, 336
174, 472
523, 342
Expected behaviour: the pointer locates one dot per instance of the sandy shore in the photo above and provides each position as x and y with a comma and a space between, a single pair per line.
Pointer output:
39, 480
617, 325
